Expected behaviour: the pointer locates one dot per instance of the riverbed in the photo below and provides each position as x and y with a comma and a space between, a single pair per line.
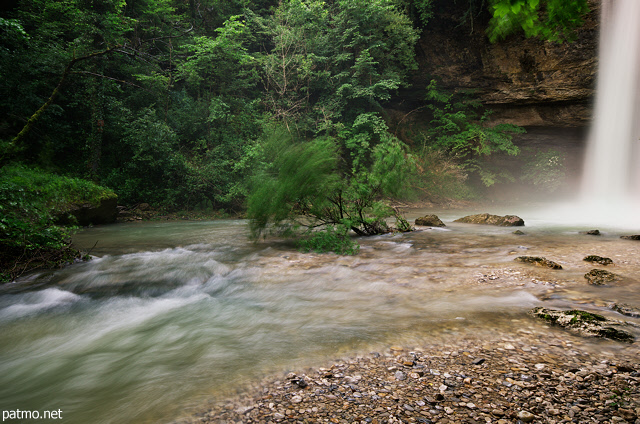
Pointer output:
169, 315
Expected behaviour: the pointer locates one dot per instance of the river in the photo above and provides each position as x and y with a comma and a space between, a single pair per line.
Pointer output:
169, 314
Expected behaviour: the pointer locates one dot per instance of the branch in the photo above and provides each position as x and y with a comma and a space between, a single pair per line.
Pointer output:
32, 120
404, 117
109, 78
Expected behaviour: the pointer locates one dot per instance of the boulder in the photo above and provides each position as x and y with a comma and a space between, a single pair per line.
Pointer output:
488, 219
630, 311
633, 237
83, 214
536, 260
430, 221
598, 259
599, 277
585, 323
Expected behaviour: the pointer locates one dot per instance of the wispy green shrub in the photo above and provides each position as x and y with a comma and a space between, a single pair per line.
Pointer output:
328, 181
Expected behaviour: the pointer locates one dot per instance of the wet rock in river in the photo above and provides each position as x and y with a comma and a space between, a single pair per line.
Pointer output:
593, 233
630, 311
518, 233
430, 221
488, 219
633, 237
599, 277
585, 323
598, 259
539, 261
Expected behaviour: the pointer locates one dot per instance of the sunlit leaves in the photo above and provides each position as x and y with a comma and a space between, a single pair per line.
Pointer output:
554, 20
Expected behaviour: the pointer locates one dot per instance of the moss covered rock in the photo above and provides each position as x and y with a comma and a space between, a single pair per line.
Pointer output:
585, 323
488, 219
598, 259
599, 277
538, 261
430, 221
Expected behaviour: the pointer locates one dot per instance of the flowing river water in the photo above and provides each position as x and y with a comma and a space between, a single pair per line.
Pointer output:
169, 314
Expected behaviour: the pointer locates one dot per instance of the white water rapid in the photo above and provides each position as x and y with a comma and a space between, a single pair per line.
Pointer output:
611, 180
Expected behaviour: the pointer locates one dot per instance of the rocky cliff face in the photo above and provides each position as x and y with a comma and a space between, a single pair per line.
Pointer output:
525, 81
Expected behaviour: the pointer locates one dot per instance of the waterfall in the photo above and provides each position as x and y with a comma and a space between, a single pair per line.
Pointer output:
611, 179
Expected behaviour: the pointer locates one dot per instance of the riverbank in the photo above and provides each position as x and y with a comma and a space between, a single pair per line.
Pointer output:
535, 375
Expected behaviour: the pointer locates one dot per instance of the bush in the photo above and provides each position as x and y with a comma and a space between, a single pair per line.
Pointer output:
29, 199
327, 181
330, 239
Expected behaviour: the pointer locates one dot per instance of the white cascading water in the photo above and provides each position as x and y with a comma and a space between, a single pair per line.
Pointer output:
611, 180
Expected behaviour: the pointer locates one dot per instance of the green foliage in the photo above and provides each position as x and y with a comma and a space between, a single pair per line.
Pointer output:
29, 200
217, 114
301, 183
293, 179
402, 225
439, 176
328, 69
329, 62
171, 115
545, 171
306, 183
153, 167
423, 10
44, 190
330, 239
554, 20
458, 128
13, 34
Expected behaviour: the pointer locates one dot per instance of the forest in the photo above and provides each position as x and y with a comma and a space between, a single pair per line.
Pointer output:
273, 109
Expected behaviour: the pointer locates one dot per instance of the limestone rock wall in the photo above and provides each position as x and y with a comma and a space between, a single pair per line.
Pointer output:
525, 81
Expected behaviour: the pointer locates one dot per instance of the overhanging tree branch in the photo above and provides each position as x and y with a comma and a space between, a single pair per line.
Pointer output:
93, 74
32, 120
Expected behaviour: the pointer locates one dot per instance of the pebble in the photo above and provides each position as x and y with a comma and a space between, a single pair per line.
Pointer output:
525, 416
557, 381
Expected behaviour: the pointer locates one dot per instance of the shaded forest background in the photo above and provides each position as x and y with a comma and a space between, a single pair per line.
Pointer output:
273, 107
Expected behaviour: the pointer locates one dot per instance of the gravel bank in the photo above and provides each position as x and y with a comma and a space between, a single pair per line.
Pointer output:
535, 375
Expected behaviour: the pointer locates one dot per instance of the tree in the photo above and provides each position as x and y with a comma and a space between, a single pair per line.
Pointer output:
66, 34
324, 63
217, 112
554, 20
304, 184
327, 71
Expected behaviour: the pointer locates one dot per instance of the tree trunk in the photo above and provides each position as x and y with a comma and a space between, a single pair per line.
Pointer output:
30, 123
